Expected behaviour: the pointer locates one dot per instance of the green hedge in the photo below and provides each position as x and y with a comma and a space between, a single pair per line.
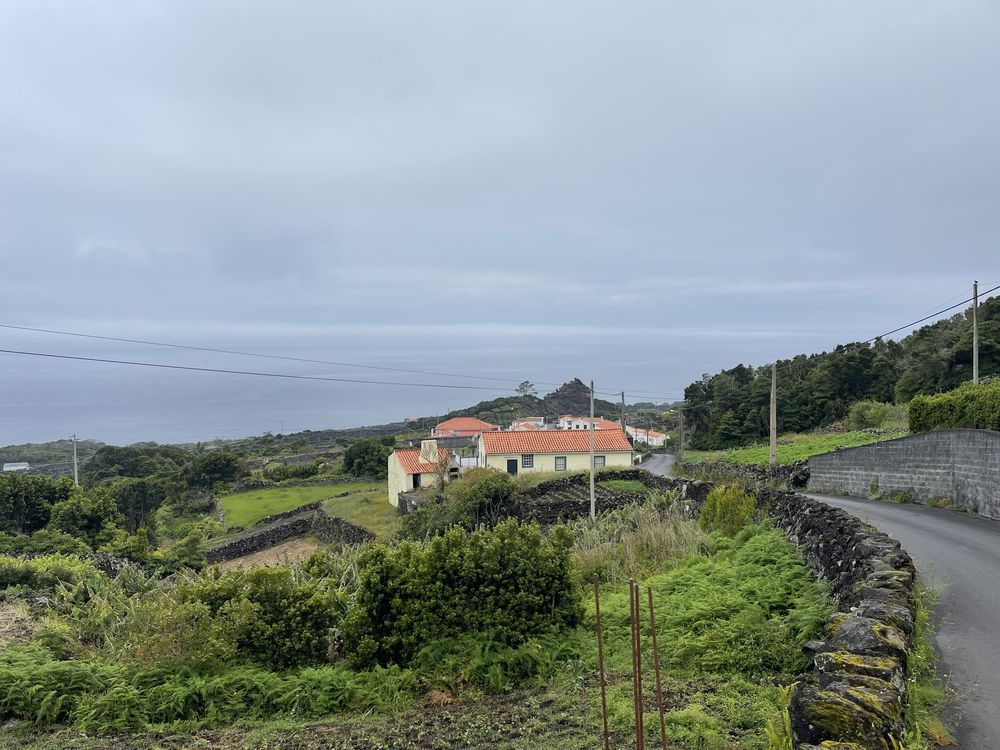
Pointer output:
506, 585
971, 406
44, 572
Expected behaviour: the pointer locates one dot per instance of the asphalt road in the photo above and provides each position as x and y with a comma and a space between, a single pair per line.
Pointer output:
958, 554
659, 463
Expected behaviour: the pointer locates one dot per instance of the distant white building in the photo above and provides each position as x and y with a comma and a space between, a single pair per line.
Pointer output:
569, 422
17, 466
649, 437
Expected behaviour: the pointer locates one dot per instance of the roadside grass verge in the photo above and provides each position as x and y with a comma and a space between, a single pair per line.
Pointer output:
791, 448
246, 508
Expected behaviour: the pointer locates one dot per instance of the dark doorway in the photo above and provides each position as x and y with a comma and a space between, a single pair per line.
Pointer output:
416, 481
512, 466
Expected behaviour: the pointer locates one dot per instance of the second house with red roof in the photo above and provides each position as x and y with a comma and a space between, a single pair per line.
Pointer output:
553, 450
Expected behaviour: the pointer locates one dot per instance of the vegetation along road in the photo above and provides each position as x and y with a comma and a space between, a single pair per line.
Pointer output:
960, 555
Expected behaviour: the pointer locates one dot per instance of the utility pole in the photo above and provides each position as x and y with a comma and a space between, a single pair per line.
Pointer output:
623, 411
593, 499
680, 439
774, 415
76, 465
975, 331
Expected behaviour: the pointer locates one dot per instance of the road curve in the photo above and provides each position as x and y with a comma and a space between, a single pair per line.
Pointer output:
661, 464
960, 555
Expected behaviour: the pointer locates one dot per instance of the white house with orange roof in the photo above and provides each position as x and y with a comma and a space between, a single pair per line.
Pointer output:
569, 422
414, 468
649, 437
528, 423
553, 450
462, 427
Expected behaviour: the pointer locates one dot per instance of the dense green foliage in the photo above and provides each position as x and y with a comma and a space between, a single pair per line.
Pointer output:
727, 510
731, 408
45, 572
868, 414
367, 458
480, 497
506, 585
26, 501
976, 406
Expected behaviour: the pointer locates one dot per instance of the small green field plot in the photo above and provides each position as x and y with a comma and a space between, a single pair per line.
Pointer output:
246, 508
631, 486
368, 509
792, 447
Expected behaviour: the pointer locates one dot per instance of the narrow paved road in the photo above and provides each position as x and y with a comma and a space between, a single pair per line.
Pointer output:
960, 555
661, 464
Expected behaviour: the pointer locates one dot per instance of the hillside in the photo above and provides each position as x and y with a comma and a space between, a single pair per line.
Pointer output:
52, 459
730, 408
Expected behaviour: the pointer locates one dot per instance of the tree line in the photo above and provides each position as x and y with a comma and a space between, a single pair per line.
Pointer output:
730, 408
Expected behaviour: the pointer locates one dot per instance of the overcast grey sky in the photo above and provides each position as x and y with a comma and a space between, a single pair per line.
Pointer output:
637, 192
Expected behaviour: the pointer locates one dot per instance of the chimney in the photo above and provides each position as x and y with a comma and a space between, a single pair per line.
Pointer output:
429, 451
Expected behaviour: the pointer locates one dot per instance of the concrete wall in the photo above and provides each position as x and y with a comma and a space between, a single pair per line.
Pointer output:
547, 461
962, 466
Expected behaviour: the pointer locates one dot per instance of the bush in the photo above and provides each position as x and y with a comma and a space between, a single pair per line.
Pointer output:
44, 572
868, 414
42, 542
507, 585
26, 500
91, 516
367, 458
480, 498
727, 510
969, 406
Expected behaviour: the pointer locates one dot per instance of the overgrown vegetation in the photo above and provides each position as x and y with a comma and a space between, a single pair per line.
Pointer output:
792, 448
727, 510
975, 406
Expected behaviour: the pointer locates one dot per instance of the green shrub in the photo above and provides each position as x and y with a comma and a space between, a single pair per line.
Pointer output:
44, 572
868, 414
727, 510
506, 584
44, 542
481, 497
968, 406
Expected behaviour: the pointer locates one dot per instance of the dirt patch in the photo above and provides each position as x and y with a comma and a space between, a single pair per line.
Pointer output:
281, 554
16, 623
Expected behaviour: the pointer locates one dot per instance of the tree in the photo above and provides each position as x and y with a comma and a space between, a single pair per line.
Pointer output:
367, 458
91, 516
215, 467
26, 500
527, 388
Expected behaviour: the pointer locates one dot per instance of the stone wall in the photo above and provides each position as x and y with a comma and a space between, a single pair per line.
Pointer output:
962, 466
793, 476
307, 519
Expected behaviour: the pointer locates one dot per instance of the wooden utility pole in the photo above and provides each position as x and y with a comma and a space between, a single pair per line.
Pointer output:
623, 411
590, 426
76, 465
680, 438
774, 415
975, 331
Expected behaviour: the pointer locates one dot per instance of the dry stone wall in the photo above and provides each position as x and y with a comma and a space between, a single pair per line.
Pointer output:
308, 519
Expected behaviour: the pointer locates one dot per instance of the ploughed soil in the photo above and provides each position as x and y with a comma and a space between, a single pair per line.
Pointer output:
517, 721
281, 554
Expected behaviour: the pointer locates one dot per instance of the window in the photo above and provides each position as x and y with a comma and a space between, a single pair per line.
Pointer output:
527, 460
598, 462
560, 463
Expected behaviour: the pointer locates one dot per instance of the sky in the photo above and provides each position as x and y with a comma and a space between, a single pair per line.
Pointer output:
634, 192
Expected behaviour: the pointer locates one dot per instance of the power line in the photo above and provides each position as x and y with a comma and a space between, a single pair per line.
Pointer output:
287, 358
251, 372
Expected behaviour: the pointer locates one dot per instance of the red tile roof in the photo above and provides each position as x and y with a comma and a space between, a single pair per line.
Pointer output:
411, 463
555, 441
464, 424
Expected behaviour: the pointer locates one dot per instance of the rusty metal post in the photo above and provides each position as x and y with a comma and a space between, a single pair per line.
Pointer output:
600, 661
635, 681
656, 666
638, 663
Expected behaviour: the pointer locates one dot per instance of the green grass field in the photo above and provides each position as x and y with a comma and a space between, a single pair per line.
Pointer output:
791, 448
370, 510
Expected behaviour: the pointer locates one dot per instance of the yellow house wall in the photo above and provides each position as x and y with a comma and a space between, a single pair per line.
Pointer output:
547, 461
399, 480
